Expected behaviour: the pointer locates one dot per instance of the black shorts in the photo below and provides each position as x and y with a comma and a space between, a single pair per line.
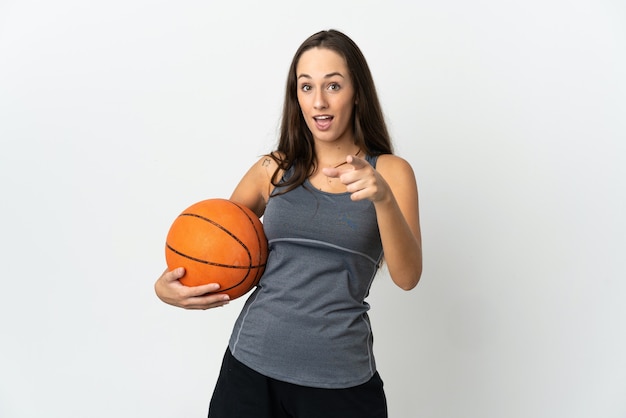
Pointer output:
241, 392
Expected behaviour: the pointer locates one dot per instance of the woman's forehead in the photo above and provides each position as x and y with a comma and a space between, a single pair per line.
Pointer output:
321, 62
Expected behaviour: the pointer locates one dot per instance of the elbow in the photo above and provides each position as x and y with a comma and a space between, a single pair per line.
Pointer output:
409, 285
409, 281
406, 274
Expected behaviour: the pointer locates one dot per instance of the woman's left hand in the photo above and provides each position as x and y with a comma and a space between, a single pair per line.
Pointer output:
360, 179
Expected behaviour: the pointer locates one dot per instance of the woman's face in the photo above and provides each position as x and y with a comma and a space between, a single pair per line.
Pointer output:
325, 94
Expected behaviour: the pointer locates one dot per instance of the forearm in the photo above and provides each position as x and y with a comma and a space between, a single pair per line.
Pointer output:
401, 244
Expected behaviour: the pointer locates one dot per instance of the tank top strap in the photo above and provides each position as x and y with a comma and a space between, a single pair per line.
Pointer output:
372, 159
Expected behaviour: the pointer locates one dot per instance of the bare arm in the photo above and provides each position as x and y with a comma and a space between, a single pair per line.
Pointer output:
252, 191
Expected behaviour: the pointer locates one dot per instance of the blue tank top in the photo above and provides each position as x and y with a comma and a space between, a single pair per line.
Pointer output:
306, 322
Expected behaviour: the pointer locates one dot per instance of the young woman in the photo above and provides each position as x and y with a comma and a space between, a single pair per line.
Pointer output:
334, 199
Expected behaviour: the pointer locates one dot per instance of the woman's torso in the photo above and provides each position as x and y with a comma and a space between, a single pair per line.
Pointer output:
306, 323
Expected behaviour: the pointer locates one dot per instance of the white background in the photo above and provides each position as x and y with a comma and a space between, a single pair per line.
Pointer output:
116, 115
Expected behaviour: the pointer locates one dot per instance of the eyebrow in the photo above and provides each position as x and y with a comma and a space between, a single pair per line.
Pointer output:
329, 75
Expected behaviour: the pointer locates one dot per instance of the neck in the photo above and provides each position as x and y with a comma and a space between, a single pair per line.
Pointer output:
330, 157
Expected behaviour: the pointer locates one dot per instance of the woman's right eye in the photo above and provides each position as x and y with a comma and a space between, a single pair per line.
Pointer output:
305, 87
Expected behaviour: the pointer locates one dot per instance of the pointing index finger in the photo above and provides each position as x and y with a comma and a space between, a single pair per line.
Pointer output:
352, 162
355, 161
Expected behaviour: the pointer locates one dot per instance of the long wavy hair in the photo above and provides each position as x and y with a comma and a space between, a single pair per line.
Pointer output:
296, 148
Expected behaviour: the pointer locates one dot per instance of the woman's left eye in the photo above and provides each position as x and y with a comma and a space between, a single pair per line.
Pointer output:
333, 86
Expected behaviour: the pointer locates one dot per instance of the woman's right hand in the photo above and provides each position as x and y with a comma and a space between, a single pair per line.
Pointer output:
171, 291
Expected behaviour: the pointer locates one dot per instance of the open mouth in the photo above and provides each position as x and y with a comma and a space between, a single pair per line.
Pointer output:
322, 122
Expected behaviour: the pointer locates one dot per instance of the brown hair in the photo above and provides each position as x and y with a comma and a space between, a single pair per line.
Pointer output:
296, 148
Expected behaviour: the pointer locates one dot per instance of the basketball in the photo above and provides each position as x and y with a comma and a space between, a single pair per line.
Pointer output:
218, 241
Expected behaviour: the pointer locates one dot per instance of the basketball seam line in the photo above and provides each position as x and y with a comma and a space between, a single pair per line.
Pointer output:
211, 263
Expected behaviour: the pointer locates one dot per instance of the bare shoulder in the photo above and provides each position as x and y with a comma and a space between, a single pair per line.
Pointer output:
270, 161
267, 167
263, 169
400, 177
255, 186
393, 167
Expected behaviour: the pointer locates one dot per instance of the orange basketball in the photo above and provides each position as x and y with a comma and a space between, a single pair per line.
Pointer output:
218, 241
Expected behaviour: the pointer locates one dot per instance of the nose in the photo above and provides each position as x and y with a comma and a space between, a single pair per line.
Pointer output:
320, 100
